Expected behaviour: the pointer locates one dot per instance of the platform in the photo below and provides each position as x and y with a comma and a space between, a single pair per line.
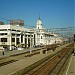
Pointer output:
71, 66
26, 61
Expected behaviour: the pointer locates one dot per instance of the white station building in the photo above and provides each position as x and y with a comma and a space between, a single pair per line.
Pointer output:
17, 35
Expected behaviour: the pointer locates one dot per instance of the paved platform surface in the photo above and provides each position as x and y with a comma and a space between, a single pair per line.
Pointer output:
13, 52
71, 67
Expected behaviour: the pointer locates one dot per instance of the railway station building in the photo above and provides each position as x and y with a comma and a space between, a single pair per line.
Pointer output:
15, 35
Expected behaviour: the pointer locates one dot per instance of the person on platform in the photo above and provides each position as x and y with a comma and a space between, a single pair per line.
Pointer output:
3, 51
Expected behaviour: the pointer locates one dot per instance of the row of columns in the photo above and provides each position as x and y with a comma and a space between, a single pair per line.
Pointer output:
23, 38
9, 40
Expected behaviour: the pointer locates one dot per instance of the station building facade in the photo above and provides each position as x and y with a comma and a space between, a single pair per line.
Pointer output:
17, 35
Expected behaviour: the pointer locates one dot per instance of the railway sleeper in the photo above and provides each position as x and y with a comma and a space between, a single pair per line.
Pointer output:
8, 62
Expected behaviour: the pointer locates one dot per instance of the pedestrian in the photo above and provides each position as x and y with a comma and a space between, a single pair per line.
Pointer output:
3, 52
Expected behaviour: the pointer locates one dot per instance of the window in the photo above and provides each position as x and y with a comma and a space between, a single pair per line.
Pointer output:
13, 34
13, 30
3, 29
3, 33
3, 39
25, 35
31, 35
13, 39
18, 34
18, 30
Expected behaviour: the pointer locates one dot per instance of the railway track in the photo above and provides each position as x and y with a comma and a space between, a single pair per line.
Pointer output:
16, 57
53, 66
43, 69
58, 66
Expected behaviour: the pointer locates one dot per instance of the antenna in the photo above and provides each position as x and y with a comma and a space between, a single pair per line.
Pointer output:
39, 16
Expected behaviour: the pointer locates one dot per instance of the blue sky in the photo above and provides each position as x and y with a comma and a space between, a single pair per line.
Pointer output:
53, 13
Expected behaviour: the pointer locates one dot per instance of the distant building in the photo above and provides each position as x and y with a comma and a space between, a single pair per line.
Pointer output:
14, 34
17, 22
1, 23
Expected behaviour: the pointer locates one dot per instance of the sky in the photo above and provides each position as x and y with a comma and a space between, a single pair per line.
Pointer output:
53, 13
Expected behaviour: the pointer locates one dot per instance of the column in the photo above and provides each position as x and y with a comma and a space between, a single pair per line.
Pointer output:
15, 40
36, 41
30, 40
33, 41
24, 38
20, 39
30, 44
9, 40
27, 41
